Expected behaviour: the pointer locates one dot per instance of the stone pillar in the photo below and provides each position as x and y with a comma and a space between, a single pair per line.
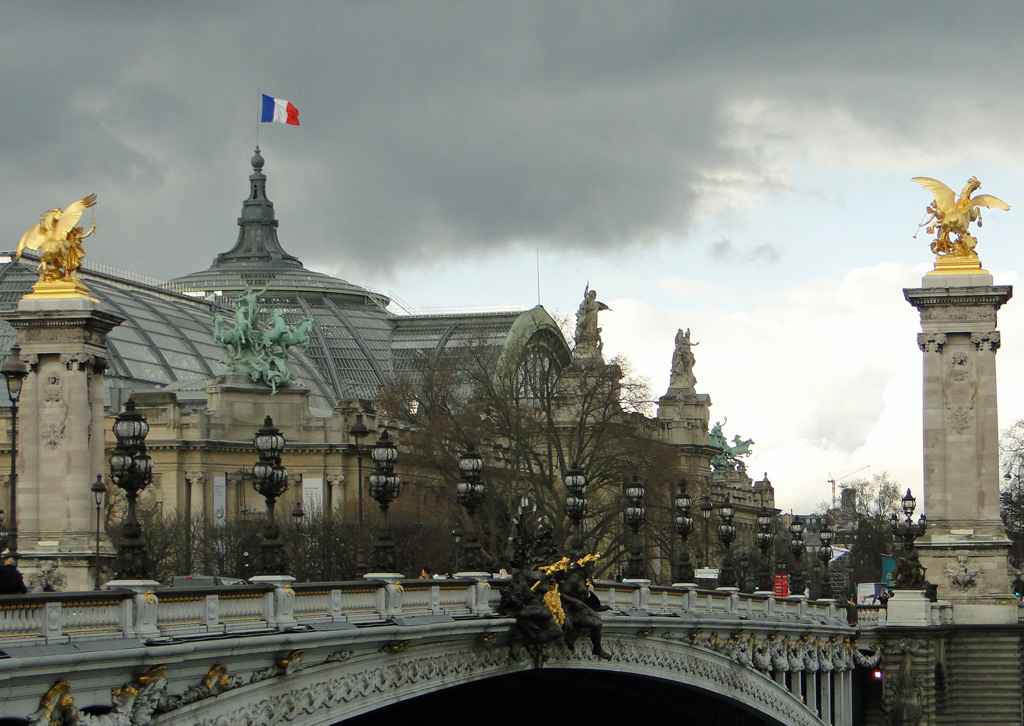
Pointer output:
965, 548
61, 433
825, 696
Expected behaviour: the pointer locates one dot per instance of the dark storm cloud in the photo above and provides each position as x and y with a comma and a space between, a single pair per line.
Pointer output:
434, 129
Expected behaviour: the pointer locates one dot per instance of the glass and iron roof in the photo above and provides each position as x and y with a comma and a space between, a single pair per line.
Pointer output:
356, 345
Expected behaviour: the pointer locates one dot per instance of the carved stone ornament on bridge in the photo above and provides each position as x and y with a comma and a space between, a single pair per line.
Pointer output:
931, 342
704, 658
903, 697
53, 411
960, 391
957, 312
960, 576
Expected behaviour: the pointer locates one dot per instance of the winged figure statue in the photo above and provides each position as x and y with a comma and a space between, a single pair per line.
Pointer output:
58, 238
950, 214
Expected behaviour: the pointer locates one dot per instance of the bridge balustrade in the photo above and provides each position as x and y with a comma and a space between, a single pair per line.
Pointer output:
175, 612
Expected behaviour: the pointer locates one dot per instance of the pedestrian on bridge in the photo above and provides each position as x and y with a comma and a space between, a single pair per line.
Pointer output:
11, 581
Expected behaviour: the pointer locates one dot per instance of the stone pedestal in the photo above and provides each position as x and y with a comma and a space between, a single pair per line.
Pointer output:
965, 548
61, 434
908, 608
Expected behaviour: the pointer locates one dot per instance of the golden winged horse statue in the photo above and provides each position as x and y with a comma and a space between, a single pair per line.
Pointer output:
950, 214
58, 238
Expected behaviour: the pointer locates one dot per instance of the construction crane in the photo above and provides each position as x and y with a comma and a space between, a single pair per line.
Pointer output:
832, 480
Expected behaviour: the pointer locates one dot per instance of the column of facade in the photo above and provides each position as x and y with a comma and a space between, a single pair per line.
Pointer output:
812, 690
965, 548
844, 698
61, 427
825, 696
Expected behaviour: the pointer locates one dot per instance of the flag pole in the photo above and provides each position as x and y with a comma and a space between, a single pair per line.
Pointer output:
259, 99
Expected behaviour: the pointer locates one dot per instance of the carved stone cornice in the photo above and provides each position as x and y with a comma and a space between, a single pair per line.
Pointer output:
992, 296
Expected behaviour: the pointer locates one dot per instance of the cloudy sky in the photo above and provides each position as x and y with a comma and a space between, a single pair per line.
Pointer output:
739, 169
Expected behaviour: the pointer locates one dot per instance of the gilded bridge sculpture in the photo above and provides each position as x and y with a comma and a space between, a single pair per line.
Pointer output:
58, 238
949, 217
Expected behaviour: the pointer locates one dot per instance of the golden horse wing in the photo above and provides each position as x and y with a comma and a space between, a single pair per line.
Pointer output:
33, 239
945, 198
70, 216
987, 200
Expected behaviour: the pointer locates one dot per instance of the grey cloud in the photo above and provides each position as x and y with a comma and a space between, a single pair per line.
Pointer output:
433, 129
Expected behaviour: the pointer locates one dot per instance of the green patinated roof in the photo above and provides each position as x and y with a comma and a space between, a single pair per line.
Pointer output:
531, 328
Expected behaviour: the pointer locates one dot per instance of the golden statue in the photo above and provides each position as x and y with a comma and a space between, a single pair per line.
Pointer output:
950, 215
58, 238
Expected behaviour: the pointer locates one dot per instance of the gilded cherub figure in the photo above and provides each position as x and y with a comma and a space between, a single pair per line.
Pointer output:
59, 241
952, 215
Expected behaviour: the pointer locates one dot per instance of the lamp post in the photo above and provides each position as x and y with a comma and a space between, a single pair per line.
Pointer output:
297, 515
635, 516
797, 547
3, 531
99, 494
727, 535
827, 536
358, 432
14, 371
706, 507
765, 539
909, 572
576, 502
131, 470
457, 538
470, 494
270, 480
684, 526
385, 487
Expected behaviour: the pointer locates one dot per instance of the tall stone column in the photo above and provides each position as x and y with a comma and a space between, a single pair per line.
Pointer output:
61, 432
965, 548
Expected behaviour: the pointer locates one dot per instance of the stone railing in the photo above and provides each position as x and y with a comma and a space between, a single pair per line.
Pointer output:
277, 604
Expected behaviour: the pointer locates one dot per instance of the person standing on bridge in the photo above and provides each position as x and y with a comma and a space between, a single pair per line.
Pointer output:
11, 581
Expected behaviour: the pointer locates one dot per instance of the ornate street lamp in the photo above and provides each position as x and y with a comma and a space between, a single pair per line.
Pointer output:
385, 487
683, 523
131, 470
99, 495
827, 536
635, 516
909, 572
14, 370
469, 493
727, 535
357, 433
797, 547
270, 480
576, 502
765, 539
298, 513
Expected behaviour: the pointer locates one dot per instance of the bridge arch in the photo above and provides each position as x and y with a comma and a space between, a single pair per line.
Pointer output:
352, 684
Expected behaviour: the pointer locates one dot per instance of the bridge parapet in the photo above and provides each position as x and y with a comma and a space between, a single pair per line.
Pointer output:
177, 612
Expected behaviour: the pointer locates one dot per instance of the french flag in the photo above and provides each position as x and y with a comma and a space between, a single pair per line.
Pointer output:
277, 109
